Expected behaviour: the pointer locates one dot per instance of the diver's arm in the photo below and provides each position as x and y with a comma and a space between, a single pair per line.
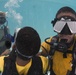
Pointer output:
6, 52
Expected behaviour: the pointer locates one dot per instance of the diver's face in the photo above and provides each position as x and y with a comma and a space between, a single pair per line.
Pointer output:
69, 38
64, 36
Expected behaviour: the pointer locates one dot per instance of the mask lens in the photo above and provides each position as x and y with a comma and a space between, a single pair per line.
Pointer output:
59, 25
72, 26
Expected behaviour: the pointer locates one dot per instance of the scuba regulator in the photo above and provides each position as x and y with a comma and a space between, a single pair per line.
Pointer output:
56, 45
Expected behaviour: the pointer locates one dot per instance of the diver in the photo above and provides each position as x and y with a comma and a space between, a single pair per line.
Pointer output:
5, 36
22, 59
61, 48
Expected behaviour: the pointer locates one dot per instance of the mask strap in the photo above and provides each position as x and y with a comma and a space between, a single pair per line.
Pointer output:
23, 54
